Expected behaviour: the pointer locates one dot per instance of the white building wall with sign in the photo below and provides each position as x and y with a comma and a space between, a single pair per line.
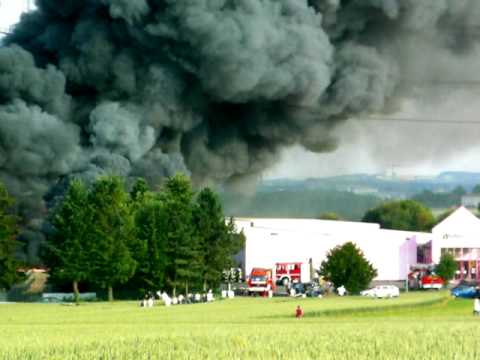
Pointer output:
460, 230
269, 241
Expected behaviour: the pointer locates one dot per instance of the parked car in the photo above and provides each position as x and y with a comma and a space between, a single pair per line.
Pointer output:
382, 291
309, 289
465, 291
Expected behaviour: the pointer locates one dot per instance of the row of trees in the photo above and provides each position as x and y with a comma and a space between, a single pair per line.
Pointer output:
442, 199
173, 239
8, 244
406, 215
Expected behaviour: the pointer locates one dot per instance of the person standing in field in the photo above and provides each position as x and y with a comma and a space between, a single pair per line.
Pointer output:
476, 306
299, 312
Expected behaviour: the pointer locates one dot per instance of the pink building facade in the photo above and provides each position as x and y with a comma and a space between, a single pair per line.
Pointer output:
459, 235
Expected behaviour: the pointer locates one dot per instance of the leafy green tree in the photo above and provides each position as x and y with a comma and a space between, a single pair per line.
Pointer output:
444, 215
447, 267
329, 216
476, 189
8, 243
140, 199
182, 247
113, 233
217, 239
459, 190
401, 215
140, 190
151, 258
346, 265
69, 247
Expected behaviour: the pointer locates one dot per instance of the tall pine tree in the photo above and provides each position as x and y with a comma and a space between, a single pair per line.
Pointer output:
113, 233
218, 239
69, 247
183, 266
150, 275
8, 243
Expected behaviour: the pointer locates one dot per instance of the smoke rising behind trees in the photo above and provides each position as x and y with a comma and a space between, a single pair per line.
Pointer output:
212, 88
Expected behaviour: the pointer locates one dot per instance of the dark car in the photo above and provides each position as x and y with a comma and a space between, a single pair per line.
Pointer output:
465, 291
309, 289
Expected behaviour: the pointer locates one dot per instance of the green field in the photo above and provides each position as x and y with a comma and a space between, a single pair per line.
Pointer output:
415, 326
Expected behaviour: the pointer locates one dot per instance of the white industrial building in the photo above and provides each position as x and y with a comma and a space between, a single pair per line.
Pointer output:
392, 253
471, 201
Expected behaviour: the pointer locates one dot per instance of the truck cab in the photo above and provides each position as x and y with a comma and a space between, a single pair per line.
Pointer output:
261, 281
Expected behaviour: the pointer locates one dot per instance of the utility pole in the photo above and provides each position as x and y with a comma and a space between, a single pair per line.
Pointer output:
408, 265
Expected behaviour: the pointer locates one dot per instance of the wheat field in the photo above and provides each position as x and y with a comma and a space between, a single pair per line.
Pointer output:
427, 325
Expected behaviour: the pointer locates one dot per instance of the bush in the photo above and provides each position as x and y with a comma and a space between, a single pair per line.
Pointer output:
346, 265
446, 267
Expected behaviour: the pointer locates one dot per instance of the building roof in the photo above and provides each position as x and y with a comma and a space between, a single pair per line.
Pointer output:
471, 196
306, 224
461, 221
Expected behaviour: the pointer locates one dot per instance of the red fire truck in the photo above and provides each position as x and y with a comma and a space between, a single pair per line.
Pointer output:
261, 281
431, 282
292, 272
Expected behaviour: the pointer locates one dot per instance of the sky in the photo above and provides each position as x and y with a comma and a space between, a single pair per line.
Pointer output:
10, 11
419, 146
429, 134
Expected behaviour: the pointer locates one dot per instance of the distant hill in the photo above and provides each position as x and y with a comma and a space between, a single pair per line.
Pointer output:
378, 185
298, 203
350, 196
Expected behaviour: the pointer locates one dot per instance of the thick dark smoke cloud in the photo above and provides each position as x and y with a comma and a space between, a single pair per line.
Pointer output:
214, 88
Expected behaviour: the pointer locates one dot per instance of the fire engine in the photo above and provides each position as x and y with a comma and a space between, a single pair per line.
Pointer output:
425, 278
261, 281
292, 272
431, 282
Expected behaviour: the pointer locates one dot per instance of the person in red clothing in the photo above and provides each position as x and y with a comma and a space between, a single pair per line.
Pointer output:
299, 312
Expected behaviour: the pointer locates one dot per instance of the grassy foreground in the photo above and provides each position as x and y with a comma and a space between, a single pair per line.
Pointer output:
415, 326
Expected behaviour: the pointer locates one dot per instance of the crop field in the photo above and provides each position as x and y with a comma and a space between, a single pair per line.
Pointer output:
415, 326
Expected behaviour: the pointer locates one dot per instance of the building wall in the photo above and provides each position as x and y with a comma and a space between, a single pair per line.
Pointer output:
269, 241
470, 201
391, 252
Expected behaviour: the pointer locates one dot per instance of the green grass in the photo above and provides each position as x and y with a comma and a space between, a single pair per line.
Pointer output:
415, 326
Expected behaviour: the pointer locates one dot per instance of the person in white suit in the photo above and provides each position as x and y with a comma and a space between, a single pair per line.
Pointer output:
476, 306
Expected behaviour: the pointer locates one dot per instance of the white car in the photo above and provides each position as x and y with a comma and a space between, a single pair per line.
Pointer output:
383, 291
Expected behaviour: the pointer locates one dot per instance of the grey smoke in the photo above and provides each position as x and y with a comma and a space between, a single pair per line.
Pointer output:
212, 88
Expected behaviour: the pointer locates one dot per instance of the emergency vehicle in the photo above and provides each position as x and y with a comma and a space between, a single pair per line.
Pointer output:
261, 281
292, 272
431, 282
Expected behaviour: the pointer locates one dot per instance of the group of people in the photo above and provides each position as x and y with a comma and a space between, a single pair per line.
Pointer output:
147, 301
189, 299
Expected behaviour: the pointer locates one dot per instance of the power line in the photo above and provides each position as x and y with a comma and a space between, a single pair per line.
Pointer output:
420, 120
453, 83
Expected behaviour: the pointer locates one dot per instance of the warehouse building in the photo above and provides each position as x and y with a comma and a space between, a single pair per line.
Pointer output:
393, 253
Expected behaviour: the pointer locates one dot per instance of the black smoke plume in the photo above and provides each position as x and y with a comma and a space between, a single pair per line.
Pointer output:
213, 88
